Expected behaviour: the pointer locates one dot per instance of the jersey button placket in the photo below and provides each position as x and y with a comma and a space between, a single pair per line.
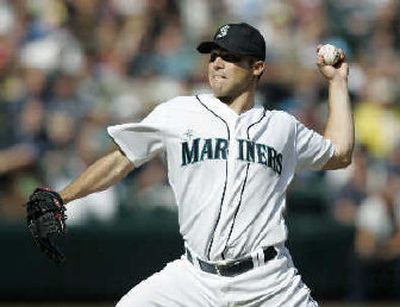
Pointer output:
222, 230
231, 199
237, 168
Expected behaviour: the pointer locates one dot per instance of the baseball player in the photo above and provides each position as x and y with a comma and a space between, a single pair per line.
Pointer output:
229, 164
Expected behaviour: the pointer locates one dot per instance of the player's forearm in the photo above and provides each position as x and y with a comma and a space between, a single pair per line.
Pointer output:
102, 174
340, 127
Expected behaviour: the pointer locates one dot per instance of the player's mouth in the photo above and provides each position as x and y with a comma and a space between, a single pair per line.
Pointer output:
218, 77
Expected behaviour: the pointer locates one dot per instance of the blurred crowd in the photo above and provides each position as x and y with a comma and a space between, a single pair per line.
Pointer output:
70, 68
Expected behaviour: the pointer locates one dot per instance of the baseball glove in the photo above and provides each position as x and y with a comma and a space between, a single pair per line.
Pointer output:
46, 220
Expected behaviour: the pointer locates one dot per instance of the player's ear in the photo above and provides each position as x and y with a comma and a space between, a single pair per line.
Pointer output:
258, 68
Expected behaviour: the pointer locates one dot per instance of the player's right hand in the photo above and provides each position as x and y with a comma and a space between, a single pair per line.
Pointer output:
339, 71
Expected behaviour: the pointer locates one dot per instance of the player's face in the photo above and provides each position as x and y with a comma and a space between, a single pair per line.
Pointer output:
230, 74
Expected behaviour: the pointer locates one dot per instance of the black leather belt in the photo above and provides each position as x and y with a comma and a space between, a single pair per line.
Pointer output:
235, 267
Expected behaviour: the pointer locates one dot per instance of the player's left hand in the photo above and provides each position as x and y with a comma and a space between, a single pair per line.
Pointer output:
339, 71
46, 219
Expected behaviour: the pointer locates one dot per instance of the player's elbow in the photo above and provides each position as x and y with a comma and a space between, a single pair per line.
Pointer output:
338, 161
345, 160
345, 155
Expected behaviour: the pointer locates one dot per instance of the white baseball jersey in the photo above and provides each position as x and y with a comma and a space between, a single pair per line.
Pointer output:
229, 172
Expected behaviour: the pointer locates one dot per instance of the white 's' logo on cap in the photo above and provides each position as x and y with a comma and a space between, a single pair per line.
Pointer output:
223, 31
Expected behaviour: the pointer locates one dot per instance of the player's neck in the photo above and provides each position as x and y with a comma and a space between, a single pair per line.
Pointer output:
241, 103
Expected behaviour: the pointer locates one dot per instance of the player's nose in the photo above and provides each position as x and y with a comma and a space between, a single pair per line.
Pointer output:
218, 63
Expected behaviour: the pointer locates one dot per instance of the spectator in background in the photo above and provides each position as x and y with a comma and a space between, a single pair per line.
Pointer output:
27, 140
354, 190
376, 117
377, 243
24, 141
18, 161
394, 159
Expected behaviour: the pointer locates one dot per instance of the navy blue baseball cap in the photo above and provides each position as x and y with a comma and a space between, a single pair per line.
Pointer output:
240, 38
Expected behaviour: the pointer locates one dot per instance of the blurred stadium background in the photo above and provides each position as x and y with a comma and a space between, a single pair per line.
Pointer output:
70, 68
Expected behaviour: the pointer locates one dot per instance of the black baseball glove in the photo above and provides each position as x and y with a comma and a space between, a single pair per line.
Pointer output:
46, 220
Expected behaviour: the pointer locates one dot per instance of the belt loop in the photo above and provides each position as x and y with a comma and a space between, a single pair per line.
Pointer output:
258, 257
261, 258
197, 262
279, 249
255, 258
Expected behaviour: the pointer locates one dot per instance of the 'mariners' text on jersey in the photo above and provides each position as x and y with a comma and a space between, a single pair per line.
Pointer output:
198, 150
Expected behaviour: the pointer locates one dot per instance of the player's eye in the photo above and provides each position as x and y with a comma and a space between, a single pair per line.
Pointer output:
227, 57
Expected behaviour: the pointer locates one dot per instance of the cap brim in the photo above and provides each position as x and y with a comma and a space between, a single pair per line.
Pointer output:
206, 47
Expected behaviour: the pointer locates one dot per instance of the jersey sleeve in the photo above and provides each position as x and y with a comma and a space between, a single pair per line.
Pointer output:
143, 140
312, 149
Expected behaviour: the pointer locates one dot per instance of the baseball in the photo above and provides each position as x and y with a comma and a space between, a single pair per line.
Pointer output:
329, 53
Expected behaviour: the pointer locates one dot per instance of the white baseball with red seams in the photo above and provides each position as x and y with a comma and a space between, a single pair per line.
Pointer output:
329, 53
229, 173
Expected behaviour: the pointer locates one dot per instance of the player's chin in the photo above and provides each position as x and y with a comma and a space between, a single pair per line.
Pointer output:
223, 94
218, 90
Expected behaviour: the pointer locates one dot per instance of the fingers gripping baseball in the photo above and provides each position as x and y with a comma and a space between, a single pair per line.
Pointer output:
331, 62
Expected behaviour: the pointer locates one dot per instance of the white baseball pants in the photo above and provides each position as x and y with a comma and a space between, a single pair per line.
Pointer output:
180, 283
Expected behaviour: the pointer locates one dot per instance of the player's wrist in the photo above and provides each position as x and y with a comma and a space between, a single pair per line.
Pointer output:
65, 198
338, 80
